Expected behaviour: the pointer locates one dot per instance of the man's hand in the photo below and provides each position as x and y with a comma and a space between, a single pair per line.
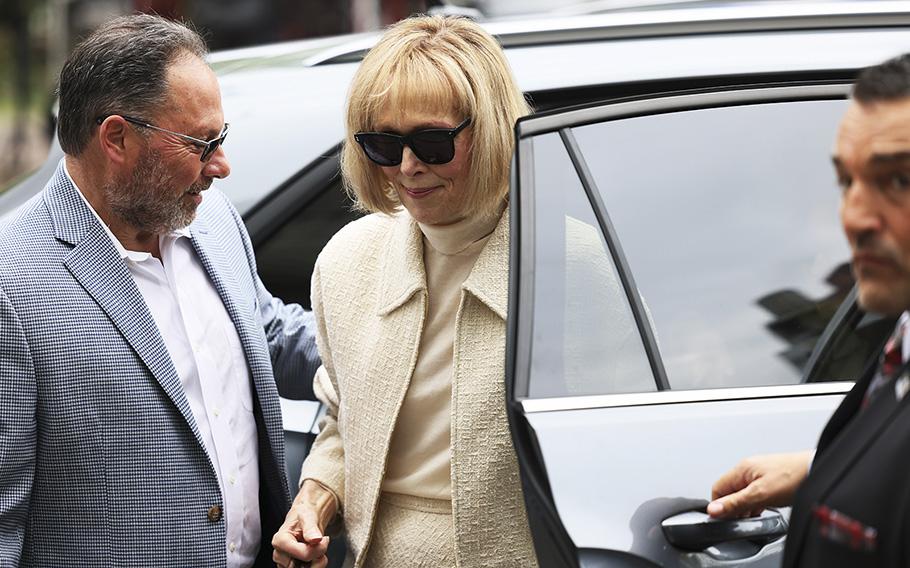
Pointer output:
301, 537
759, 482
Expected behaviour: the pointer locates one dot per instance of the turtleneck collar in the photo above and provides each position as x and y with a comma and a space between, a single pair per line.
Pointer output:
458, 237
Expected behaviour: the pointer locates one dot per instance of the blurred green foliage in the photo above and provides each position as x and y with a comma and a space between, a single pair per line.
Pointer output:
24, 93
19, 55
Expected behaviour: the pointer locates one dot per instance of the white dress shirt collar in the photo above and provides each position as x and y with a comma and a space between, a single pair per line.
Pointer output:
905, 343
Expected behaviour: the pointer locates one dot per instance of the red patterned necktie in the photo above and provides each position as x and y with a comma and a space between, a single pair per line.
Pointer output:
890, 363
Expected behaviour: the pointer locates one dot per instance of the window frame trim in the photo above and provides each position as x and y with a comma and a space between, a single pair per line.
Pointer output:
569, 403
618, 257
591, 113
275, 209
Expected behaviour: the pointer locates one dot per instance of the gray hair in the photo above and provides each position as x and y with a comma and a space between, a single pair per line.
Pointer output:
121, 68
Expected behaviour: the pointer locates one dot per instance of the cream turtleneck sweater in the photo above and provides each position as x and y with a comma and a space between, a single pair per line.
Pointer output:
419, 460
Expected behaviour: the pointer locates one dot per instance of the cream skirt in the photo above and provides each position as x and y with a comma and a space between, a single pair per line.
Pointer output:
412, 531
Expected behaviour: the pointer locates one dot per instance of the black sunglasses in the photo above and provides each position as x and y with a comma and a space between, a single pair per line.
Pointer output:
431, 146
207, 147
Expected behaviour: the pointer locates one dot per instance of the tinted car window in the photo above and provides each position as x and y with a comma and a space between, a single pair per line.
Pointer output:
728, 220
585, 339
286, 258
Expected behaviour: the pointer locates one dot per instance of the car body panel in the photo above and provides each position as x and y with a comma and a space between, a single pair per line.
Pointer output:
603, 449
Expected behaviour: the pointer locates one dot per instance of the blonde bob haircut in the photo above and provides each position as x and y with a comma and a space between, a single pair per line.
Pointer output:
443, 63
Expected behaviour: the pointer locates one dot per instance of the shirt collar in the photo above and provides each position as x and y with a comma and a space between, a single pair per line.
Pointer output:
135, 256
904, 321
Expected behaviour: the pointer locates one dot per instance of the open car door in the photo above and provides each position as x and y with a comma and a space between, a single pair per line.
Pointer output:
675, 261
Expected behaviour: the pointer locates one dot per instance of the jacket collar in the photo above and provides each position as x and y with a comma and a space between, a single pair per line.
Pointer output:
403, 272
70, 215
489, 280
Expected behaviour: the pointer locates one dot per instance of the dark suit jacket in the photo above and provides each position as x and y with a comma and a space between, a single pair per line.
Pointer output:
853, 509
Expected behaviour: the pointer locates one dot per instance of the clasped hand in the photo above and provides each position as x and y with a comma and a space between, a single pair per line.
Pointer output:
302, 535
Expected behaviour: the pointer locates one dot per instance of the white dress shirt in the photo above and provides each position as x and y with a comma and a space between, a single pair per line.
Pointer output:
208, 356
905, 343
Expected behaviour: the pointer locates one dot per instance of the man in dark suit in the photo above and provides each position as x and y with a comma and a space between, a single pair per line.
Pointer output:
140, 422
851, 499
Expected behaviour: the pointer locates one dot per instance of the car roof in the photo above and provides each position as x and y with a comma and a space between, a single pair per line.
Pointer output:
692, 18
285, 102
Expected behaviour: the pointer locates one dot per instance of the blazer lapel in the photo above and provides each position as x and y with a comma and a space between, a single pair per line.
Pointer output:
852, 427
489, 279
215, 261
99, 269
402, 271
844, 441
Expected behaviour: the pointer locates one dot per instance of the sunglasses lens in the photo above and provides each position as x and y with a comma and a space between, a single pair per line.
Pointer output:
213, 146
383, 149
433, 146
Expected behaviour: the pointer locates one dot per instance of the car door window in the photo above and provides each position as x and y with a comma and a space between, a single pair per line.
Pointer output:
726, 219
286, 258
585, 337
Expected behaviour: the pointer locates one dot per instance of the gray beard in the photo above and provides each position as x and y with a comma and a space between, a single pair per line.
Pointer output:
148, 199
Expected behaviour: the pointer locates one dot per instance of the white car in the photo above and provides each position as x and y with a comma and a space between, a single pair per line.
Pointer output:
708, 315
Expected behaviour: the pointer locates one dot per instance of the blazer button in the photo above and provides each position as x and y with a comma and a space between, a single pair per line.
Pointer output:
215, 513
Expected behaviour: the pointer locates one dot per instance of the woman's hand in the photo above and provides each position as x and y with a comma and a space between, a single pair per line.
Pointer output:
302, 536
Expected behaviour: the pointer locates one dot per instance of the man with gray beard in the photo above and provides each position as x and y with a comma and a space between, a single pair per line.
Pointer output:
139, 351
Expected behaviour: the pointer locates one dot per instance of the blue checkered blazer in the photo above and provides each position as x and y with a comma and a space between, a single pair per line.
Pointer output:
101, 462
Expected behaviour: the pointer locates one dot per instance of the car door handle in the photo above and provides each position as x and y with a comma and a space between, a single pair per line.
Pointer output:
695, 530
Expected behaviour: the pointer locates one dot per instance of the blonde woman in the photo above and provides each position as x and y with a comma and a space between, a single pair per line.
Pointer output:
414, 455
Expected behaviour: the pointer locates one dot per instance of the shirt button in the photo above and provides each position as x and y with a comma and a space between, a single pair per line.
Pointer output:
232, 547
232, 480
216, 412
215, 513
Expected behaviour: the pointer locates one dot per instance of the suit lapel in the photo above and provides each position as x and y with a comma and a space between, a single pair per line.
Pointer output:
845, 439
489, 279
214, 260
99, 269
847, 408
853, 428
216, 264
402, 273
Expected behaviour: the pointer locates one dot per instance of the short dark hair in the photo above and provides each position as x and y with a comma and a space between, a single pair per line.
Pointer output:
121, 67
884, 82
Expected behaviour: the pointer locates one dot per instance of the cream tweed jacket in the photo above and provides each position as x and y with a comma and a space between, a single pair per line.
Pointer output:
370, 300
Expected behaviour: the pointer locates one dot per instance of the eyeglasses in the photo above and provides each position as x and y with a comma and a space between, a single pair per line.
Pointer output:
431, 146
207, 147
